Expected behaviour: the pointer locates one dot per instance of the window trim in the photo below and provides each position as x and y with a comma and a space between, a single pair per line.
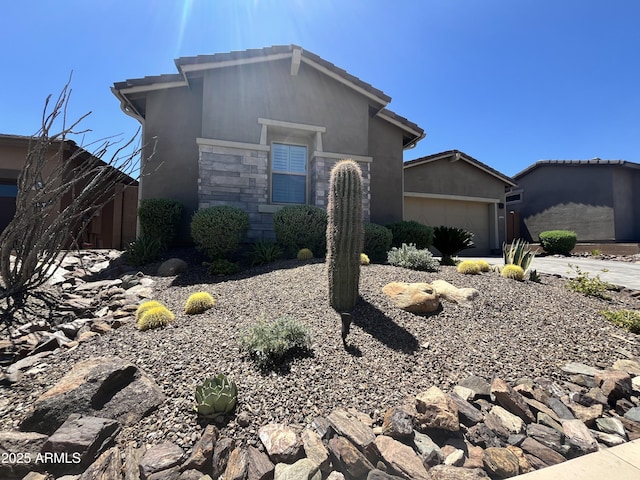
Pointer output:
306, 174
520, 194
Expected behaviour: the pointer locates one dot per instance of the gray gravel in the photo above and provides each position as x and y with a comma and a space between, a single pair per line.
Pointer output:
515, 329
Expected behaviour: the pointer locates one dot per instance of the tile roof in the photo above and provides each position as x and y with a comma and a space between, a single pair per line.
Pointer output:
469, 159
576, 163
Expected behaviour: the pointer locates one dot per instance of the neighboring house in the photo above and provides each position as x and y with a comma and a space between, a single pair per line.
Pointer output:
454, 189
597, 199
114, 226
259, 129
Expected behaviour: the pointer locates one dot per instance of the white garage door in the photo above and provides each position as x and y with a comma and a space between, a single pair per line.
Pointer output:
472, 216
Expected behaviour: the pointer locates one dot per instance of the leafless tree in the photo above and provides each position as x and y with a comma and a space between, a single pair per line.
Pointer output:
37, 238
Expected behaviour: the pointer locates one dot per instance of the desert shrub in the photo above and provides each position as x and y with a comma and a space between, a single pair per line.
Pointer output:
483, 265
377, 241
199, 302
264, 252
268, 342
300, 226
627, 319
450, 241
596, 252
469, 267
584, 283
558, 241
408, 256
144, 306
514, 272
518, 253
534, 276
218, 231
304, 254
216, 396
155, 317
411, 232
160, 218
364, 259
144, 250
222, 266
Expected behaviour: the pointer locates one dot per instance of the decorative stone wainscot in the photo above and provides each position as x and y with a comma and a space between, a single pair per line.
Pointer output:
237, 174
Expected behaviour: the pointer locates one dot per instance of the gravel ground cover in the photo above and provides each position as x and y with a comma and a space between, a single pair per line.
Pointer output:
514, 329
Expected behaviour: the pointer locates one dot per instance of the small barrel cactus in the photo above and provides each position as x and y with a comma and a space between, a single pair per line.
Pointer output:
483, 265
199, 302
513, 272
364, 259
345, 234
468, 267
144, 306
216, 396
305, 254
155, 317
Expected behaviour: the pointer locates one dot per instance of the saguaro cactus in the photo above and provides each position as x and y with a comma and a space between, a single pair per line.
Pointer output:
345, 234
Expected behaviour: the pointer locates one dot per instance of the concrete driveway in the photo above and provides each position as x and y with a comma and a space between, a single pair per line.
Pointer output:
618, 273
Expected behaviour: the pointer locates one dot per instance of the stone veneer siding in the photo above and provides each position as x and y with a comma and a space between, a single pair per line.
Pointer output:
239, 177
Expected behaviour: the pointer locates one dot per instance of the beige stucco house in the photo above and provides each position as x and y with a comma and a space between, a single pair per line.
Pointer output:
597, 199
259, 129
113, 226
454, 189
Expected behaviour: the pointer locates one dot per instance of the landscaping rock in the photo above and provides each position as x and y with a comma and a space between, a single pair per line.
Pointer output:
547, 436
413, 297
576, 368
633, 414
376, 474
282, 443
578, 437
501, 462
630, 366
103, 387
514, 402
397, 423
83, 439
236, 465
223, 448
259, 467
560, 409
314, 449
347, 425
348, 458
429, 451
542, 452
479, 385
467, 414
615, 384
108, 466
171, 267
303, 469
436, 409
27, 443
445, 472
461, 296
401, 458
160, 457
202, 451
511, 422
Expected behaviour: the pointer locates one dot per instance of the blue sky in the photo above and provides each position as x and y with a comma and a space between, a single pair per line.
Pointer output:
508, 82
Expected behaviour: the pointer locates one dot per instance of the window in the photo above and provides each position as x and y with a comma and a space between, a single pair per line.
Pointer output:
8, 190
288, 173
514, 197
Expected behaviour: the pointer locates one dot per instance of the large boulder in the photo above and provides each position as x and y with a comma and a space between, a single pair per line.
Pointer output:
171, 267
413, 297
461, 296
106, 387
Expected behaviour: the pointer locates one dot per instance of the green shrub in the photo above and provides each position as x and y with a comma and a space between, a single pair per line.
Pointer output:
268, 342
143, 250
264, 252
627, 319
411, 232
218, 231
469, 267
155, 317
222, 266
198, 302
451, 240
408, 256
300, 226
518, 253
377, 242
160, 218
587, 285
304, 254
558, 241
514, 272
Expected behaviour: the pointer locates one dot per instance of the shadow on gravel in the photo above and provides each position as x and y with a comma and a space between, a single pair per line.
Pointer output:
376, 323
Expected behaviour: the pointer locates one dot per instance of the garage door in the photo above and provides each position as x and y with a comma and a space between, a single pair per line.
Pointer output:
472, 216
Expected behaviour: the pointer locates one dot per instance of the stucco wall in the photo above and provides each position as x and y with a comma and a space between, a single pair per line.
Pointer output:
385, 146
174, 117
559, 197
234, 99
623, 202
444, 177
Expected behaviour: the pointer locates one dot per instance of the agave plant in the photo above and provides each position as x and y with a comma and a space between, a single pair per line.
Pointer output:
518, 253
216, 396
